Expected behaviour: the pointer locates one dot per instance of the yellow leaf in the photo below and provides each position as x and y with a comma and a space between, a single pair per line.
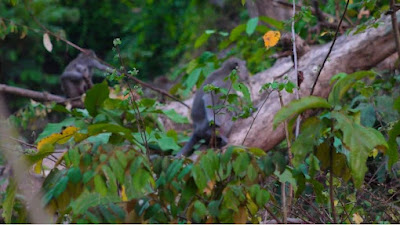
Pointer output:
240, 216
374, 153
209, 188
357, 218
271, 38
123, 194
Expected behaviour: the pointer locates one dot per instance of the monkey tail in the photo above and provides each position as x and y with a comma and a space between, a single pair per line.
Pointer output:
188, 148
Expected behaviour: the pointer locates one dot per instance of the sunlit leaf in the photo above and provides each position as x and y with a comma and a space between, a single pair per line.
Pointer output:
251, 25
271, 38
298, 106
9, 200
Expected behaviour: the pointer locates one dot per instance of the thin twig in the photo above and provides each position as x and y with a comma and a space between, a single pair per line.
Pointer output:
330, 49
272, 214
331, 196
254, 118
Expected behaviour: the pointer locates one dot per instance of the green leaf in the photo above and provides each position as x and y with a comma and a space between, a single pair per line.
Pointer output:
100, 185
199, 177
201, 40
251, 25
95, 97
52, 128
298, 106
287, 176
262, 198
74, 156
168, 143
236, 32
87, 200
251, 173
241, 163
200, 209
113, 128
9, 201
173, 169
60, 187
117, 169
74, 175
273, 22
193, 78
310, 133
360, 141
244, 89
111, 180
243, 2
174, 116
142, 182
392, 152
266, 165
342, 86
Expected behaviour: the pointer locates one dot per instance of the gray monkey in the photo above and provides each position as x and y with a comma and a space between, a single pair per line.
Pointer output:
202, 115
77, 76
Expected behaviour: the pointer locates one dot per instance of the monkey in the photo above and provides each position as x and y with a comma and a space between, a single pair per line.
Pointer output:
202, 115
77, 76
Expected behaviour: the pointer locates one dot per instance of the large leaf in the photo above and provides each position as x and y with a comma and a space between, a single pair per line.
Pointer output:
8, 202
174, 116
392, 152
305, 142
360, 141
298, 106
251, 25
87, 200
344, 84
95, 97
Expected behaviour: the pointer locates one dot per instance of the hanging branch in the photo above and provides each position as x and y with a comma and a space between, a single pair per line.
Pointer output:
330, 49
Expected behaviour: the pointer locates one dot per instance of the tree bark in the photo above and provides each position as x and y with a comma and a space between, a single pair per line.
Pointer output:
36, 95
350, 54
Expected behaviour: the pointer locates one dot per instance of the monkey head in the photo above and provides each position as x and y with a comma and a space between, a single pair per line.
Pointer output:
238, 64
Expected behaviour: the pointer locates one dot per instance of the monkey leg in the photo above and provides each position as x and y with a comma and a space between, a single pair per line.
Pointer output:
188, 148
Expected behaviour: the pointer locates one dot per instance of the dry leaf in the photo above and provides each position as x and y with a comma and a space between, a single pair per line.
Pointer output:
357, 218
47, 42
271, 38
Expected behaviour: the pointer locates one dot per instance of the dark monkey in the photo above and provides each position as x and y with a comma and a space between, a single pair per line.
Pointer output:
77, 76
202, 115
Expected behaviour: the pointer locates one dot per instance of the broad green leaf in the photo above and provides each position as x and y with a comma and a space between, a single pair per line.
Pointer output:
168, 143
266, 165
111, 179
262, 197
100, 185
174, 116
8, 202
213, 208
199, 177
60, 187
241, 163
360, 141
193, 78
173, 169
95, 97
342, 86
287, 176
113, 128
392, 152
200, 209
74, 175
275, 23
236, 32
251, 25
201, 40
117, 169
310, 133
251, 173
143, 182
74, 156
298, 106
87, 200
244, 89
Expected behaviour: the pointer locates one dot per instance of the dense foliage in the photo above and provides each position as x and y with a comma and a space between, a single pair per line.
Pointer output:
116, 163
